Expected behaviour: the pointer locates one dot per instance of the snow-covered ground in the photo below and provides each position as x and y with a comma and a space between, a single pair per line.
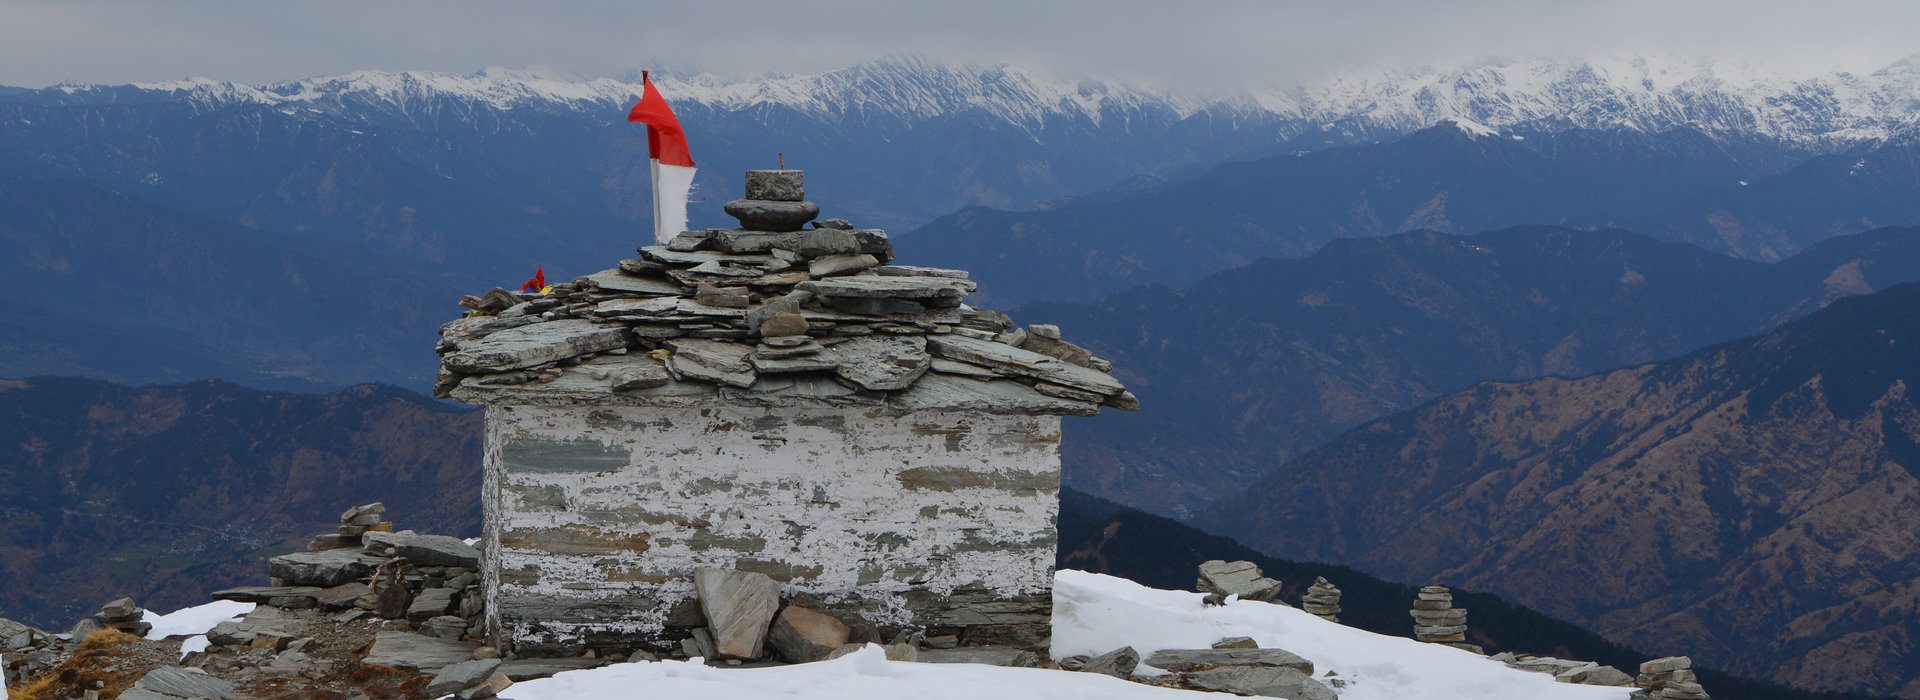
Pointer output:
1095, 614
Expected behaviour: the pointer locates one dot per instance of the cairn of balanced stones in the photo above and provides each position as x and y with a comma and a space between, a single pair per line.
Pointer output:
1436, 620
1322, 599
123, 615
1669, 678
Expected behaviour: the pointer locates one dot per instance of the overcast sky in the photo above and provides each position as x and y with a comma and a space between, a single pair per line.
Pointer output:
1228, 42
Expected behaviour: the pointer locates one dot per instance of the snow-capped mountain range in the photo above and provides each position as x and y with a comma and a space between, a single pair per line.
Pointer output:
1613, 92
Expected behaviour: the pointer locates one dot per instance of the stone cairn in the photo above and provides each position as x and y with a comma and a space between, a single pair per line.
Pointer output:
354, 524
1435, 619
1669, 678
767, 310
123, 615
1322, 599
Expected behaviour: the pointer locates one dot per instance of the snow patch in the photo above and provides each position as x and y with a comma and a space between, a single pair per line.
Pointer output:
195, 620
1094, 614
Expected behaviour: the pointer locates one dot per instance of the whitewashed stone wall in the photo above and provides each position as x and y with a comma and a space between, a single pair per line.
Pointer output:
597, 516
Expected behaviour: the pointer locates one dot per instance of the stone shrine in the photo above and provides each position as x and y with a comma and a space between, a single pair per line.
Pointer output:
772, 399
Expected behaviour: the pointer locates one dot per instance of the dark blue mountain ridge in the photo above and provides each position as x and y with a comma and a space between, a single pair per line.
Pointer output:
1682, 184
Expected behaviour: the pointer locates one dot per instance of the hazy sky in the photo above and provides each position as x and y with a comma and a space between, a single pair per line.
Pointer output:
1228, 42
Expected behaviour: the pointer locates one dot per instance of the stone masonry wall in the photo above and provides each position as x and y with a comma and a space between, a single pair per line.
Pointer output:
597, 517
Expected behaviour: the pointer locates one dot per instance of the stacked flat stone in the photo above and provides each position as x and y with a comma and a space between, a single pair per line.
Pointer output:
1436, 620
1322, 599
123, 615
355, 523
767, 314
1669, 678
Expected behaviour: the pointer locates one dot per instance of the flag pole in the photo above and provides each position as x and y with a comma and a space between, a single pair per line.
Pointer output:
653, 170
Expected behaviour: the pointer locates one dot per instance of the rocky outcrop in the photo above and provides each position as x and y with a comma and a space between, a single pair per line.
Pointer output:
752, 315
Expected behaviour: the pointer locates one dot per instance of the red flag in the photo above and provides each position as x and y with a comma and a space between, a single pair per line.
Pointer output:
539, 282
666, 141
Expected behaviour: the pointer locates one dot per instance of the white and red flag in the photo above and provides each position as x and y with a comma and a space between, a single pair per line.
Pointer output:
671, 163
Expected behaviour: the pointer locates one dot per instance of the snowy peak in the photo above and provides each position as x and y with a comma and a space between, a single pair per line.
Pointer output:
1635, 92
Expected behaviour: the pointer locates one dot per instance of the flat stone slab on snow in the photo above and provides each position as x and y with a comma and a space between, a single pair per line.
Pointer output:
534, 344
417, 651
1264, 681
326, 569
1185, 660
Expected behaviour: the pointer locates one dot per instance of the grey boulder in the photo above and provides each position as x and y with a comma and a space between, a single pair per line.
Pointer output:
738, 607
176, 682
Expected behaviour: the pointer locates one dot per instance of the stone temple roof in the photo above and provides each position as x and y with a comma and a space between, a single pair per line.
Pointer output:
769, 314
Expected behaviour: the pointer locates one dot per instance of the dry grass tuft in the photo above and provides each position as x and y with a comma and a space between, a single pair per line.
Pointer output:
104, 638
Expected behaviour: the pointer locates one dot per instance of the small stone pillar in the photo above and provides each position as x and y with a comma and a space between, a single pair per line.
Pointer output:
1322, 599
1669, 678
775, 202
1436, 620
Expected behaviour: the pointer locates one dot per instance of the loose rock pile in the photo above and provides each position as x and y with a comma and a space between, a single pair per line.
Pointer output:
763, 314
1322, 599
1436, 620
25, 652
1669, 678
1565, 671
1221, 580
